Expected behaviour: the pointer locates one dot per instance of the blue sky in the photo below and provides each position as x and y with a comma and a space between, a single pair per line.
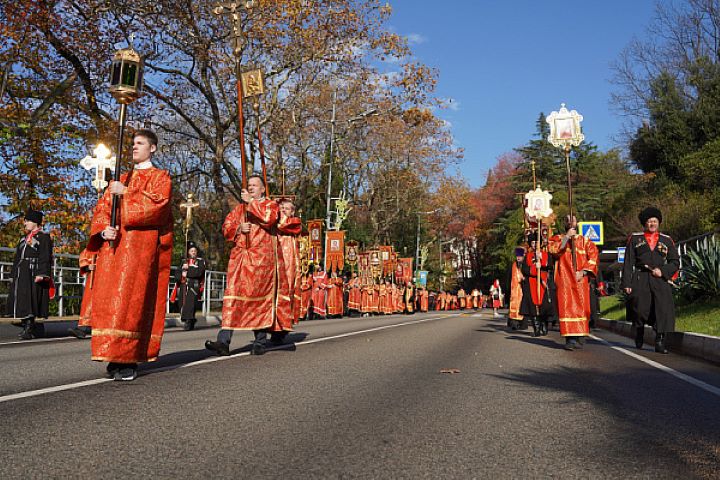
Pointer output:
503, 62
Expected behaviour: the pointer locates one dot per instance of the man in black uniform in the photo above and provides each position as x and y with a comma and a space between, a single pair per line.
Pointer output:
651, 261
31, 275
538, 308
189, 281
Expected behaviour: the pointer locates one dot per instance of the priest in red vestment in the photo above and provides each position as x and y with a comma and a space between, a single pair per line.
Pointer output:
573, 292
306, 288
257, 296
354, 294
132, 275
516, 292
319, 300
335, 304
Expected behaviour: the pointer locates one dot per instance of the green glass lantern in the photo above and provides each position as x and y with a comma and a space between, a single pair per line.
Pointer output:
126, 78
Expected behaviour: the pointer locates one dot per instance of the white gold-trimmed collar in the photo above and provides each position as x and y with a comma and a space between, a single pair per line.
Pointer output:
143, 165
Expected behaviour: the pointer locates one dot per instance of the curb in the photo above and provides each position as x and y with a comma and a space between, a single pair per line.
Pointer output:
58, 326
697, 345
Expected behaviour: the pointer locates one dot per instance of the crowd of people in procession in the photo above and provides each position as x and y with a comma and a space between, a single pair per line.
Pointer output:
127, 268
555, 279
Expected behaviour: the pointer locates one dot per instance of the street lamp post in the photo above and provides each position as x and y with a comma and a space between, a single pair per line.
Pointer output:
328, 195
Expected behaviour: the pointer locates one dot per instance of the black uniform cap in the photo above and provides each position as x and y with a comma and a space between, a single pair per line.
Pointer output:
648, 213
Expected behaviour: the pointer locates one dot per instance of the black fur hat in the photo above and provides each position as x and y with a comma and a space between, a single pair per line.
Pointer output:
648, 213
34, 216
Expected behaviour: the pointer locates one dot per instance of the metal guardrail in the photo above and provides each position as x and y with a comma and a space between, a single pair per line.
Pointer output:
69, 285
694, 243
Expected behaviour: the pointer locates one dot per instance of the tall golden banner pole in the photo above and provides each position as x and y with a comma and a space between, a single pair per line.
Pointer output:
565, 133
234, 9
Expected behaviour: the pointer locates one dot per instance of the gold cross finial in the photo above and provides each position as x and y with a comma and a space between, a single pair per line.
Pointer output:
189, 204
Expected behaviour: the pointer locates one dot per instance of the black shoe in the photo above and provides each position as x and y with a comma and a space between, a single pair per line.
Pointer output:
78, 333
543, 328
278, 338
570, 344
639, 337
111, 369
28, 326
258, 349
580, 342
660, 343
26, 335
222, 349
537, 331
126, 373
189, 324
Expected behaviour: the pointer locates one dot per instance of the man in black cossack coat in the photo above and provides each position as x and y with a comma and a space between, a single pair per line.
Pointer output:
31, 275
190, 280
651, 263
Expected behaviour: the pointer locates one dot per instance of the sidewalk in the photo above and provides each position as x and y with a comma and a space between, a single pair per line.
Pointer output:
698, 345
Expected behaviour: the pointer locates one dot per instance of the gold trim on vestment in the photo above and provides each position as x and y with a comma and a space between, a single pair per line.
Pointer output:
580, 319
247, 299
113, 332
112, 359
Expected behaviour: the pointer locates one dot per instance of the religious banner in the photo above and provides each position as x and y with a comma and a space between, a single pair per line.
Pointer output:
315, 234
351, 252
386, 252
405, 266
364, 265
335, 249
376, 265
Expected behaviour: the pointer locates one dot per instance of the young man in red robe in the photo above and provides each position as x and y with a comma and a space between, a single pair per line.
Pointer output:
571, 279
257, 296
289, 228
133, 264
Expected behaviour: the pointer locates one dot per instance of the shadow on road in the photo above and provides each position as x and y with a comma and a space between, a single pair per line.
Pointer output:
661, 422
188, 356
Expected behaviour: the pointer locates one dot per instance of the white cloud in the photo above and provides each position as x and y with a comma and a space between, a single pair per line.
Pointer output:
450, 103
416, 38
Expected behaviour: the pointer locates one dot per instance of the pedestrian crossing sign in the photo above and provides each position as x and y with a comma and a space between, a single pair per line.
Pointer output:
593, 231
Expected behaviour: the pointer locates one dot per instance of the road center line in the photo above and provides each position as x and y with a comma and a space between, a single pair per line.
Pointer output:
682, 376
97, 381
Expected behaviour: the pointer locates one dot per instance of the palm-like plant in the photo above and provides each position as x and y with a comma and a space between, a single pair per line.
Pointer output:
701, 271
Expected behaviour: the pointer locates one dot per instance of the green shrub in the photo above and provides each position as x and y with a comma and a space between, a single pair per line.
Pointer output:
701, 270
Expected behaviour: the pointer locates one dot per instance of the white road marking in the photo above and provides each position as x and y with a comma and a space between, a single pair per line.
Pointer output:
87, 383
37, 340
59, 388
682, 376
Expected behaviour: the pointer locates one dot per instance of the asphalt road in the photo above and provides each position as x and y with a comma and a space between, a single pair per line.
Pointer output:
364, 398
